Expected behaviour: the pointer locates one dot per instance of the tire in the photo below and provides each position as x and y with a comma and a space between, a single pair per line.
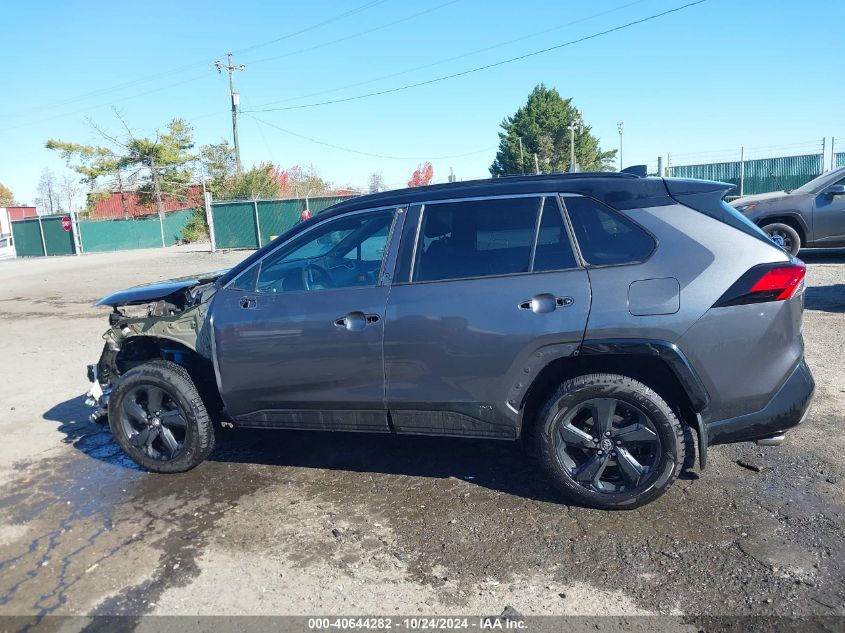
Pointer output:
177, 439
791, 239
639, 464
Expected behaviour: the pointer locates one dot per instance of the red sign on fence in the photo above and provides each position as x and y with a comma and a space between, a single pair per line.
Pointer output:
66, 223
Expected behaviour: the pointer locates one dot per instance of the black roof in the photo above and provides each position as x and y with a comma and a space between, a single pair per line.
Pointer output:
620, 190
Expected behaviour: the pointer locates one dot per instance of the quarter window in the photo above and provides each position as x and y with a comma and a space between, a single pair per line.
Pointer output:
604, 235
342, 253
476, 238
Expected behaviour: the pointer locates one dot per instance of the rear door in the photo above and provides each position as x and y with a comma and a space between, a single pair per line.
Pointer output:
479, 304
298, 338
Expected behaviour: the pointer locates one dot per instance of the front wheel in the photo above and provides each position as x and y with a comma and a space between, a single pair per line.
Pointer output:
784, 235
159, 419
608, 441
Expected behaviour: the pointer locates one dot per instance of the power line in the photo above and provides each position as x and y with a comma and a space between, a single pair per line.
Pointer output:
161, 73
340, 16
453, 58
358, 34
361, 152
487, 66
88, 109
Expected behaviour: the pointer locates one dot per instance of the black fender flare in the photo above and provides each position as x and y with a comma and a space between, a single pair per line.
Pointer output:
669, 353
791, 214
665, 351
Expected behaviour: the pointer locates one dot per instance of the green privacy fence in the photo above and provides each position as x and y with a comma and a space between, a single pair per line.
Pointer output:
839, 159
28, 237
759, 175
98, 236
252, 223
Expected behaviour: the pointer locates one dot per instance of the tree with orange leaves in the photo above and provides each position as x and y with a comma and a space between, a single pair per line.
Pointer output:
422, 175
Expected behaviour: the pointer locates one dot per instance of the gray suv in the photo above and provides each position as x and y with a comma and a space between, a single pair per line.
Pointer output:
601, 319
812, 215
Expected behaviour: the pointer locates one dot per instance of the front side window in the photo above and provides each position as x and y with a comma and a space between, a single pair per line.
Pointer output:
605, 236
476, 238
344, 252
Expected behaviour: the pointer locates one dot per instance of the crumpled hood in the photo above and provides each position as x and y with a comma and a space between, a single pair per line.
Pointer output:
772, 196
156, 291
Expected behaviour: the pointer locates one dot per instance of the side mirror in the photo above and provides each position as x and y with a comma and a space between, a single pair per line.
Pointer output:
835, 190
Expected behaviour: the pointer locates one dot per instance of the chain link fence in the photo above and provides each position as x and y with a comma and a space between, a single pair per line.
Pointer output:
47, 235
752, 173
99, 236
253, 223
42, 236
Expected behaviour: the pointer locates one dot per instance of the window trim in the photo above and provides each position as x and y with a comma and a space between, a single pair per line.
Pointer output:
579, 263
391, 245
586, 264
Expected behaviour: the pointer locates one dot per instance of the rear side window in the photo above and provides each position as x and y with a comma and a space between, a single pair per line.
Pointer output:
606, 236
476, 238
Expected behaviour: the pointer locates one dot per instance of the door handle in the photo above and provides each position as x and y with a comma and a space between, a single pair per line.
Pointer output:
356, 321
545, 302
248, 303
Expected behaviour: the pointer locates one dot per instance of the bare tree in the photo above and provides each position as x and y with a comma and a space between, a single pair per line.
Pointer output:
69, 190
48, 192
376, 182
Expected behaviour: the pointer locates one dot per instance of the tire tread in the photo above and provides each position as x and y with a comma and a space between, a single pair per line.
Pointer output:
685, 450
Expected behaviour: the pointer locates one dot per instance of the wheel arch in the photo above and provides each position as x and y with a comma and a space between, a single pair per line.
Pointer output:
659, 364
790, 218
140, 349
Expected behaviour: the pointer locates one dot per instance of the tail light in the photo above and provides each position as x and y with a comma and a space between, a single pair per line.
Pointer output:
766, 282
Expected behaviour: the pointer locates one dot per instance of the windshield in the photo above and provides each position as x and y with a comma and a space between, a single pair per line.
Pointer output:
814, 184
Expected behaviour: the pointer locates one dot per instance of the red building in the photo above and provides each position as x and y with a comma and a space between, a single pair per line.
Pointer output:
11, 214
113, 207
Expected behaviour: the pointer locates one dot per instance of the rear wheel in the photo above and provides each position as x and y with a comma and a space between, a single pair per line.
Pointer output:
609, 441
159, 419
786, 235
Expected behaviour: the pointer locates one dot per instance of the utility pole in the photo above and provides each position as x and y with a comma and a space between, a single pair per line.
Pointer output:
577, 123
521, 156
157, 195
236, 102
620, 125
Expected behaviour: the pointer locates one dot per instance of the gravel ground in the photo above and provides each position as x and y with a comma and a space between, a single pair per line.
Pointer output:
301, 523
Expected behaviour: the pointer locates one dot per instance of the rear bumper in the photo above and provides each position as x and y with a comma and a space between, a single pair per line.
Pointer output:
786, 409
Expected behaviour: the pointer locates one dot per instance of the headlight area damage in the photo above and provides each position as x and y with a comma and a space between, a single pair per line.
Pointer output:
166, 320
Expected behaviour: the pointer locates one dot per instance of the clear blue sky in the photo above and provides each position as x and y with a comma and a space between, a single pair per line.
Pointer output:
710, 78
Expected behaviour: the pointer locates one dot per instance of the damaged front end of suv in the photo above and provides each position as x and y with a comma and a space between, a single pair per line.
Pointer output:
165, 320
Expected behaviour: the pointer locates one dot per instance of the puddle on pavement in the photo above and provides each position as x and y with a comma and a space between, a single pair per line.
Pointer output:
104, 537
96, 525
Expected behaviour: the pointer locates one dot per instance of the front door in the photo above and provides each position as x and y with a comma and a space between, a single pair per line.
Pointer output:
493, 284
298, 337
829, 218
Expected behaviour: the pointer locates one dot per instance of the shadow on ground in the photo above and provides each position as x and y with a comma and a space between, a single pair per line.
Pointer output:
825, 298
823, 256
498, 465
